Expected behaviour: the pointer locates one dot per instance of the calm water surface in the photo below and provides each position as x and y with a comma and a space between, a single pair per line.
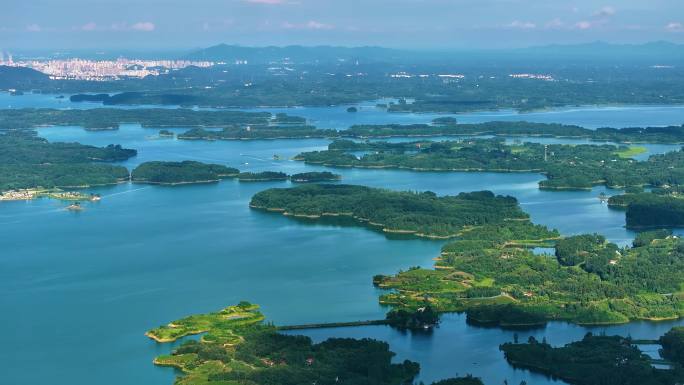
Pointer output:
78, 290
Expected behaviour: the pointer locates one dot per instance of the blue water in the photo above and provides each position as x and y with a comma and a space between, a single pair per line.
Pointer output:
78, 290
337, 117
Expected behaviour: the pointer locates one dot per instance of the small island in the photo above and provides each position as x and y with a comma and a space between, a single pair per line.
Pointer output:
305, 177
185, 172
263, 176
166, 134
419, 214
237, 347
352, 109
591, 361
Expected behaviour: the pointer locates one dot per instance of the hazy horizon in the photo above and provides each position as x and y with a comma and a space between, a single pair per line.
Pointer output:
406, 24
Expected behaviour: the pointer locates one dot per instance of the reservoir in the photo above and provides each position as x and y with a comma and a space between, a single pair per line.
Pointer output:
79, 289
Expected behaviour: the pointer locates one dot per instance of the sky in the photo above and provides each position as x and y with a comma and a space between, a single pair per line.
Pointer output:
184, 24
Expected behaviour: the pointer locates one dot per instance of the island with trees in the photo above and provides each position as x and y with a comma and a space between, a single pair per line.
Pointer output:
565, 166
594, 360
263, 176
420, 214
30, 162
185, 172
490, 273
238, 347
315, 176
651, 210
111, 118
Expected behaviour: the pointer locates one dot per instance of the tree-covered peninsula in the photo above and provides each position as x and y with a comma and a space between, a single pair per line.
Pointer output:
111, 118
565, 166
594, 360
650, 210
490, 274
421, 214
238, 348
27, 161
449, 127
184, 172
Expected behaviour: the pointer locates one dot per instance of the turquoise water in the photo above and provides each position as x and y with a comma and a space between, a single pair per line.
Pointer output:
78, 290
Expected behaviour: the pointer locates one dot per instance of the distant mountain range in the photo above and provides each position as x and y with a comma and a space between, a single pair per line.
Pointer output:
601, 52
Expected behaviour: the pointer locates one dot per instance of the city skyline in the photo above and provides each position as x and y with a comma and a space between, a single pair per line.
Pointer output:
156, 25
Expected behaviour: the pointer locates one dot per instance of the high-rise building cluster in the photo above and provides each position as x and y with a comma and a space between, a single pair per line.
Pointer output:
100, 70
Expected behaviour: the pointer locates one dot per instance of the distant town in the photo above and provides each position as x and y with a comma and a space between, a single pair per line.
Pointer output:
101, 70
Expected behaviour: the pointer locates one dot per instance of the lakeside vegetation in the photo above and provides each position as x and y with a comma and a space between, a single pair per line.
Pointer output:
181, 172
448, 126
565, 166
111, 118
242, 125
594, 360
315, 176
238, 348
650, 210
263, 176
490, 273
30, 162
673, 345
421, 214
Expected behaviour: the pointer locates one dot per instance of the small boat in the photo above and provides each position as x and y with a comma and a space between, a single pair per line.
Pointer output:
76, 206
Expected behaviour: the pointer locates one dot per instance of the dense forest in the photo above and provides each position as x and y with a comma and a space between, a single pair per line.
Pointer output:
27, 161
315, 176
111, 118
673, 345
181, 172
595, 360
490, 273
450, 127
422, 214
238, 348
565, 166
649, 210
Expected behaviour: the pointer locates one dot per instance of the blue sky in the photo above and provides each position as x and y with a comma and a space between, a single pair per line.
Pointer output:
164, 24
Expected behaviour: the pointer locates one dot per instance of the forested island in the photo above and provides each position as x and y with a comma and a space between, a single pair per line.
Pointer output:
490, 273
173, 173
27, 161
650, 210
111, 118
262, 176
448, 126
237, 347
315, 176
594, 360
565, 166
420, 214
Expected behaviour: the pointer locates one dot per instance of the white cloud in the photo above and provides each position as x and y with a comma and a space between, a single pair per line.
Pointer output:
144, 26
583, 25
675, 27
521, 24
33, 28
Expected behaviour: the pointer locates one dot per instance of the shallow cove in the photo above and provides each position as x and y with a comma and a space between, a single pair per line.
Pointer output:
80, 289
